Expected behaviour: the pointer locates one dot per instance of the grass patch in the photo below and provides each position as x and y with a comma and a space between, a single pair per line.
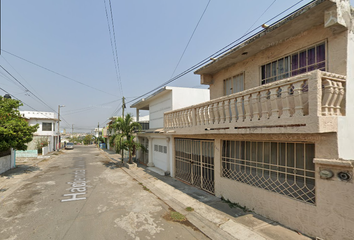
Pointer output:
176, 216
146, 189
235, 205
189, 209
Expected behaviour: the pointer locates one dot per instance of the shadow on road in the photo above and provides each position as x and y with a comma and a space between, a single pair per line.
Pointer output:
20, 169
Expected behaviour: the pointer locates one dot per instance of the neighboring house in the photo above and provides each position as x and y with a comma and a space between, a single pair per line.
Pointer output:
277, 135
98, 132
153, 137
47, 129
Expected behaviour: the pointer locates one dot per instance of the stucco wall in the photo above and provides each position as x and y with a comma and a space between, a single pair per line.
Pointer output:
157, 108
345, 128
183, 97
336, 57
159, 159
332, 215
5, 163
40, 130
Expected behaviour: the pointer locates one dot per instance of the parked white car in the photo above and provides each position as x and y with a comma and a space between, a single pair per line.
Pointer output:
69, 145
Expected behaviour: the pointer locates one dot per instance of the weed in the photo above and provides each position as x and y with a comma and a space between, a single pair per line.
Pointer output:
234, 205
189, 209
145, 188
176, 216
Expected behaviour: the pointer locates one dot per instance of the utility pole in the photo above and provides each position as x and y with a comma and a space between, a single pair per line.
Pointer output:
72, 129
123, 106
98, 134
59, 140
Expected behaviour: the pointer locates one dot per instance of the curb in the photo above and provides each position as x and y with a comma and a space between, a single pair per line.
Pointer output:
213, 223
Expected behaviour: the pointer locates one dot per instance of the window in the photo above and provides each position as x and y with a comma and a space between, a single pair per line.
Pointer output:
46, 126
160, 148
303, 61
281, 167
234, 84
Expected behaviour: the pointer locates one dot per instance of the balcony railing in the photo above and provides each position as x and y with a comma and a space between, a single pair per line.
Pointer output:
293, 102
144, 125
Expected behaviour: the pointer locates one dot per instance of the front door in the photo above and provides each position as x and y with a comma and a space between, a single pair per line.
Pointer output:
195, 163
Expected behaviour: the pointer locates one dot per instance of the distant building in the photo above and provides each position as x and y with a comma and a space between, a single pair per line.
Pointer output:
47, 129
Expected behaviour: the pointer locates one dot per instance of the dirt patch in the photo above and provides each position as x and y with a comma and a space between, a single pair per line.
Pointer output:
173, 216
109, 164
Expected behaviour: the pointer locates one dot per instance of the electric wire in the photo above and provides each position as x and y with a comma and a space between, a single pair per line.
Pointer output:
223, 50
114, 49
179, 61
59, 74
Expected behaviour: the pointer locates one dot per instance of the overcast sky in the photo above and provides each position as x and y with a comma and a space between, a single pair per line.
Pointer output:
61, 50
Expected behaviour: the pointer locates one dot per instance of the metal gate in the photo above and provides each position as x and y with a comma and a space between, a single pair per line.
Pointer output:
195, 163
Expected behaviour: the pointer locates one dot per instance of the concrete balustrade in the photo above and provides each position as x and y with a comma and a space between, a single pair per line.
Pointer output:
300, 100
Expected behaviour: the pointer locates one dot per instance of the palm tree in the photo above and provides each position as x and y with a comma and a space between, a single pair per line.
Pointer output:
123, 137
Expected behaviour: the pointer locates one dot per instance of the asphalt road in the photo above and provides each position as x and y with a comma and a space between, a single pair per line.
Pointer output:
80, 195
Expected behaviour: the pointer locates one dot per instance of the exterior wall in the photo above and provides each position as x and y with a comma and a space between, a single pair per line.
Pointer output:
160, 159
156, 109
332, 215
27, 154
183, 97
5, 163
157, 159
336, 57
8, 162
345, 129
40, 131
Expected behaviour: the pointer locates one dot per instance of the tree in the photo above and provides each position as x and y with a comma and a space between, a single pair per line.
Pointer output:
88, 139
123, 137
14, 129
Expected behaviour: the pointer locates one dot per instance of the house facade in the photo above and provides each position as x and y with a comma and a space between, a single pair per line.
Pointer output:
46, 132
276, 135
153, 137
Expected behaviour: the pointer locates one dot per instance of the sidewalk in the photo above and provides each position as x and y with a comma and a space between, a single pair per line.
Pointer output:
216, 218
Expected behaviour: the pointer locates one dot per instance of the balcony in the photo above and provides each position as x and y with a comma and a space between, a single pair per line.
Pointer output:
144, 125
306, 103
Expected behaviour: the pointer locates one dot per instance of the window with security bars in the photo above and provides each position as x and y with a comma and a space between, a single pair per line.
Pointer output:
234, 84
46, 126
281, 167
303, 61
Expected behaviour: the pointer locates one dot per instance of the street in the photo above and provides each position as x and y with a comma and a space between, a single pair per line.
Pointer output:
80, 195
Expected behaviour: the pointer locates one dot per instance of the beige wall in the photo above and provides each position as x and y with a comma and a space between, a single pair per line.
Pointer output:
333, 215
336, 57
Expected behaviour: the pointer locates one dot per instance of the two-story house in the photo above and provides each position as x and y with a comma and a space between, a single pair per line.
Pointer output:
277, 134
153, 137
47, 128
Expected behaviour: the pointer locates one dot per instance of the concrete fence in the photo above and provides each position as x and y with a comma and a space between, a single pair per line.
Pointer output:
45, 150
7, 162
27, 154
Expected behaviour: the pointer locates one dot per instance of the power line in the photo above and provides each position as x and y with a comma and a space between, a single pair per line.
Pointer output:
114, 48
221, 51
206, 7
59, 74
26, 88
26, 103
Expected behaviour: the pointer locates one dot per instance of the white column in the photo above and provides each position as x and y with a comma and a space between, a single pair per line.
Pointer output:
137, 114
151, 149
